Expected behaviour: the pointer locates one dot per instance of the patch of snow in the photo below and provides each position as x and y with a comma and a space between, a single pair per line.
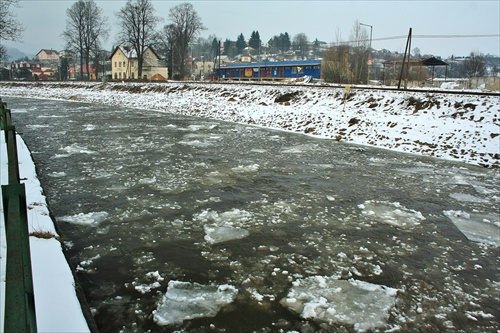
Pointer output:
56, 304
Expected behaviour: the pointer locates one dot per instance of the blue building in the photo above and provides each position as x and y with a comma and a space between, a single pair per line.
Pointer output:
269, 70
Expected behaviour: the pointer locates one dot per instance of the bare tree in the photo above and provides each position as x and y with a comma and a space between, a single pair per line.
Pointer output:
138, 28
474, 65
167, 39
85, 26
335, 66
186, 24
359, 41
300, 44
10, 28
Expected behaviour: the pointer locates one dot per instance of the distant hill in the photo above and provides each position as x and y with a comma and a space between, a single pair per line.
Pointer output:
14, 54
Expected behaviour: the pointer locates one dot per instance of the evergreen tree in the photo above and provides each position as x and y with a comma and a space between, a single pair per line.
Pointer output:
280, 44
254, 41
240, 43
215, 48
63, 68
285, 42
230, 48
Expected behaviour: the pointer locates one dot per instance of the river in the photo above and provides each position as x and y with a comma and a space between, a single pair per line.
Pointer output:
256, 230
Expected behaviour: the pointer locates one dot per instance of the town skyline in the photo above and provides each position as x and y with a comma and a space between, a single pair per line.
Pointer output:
451, 28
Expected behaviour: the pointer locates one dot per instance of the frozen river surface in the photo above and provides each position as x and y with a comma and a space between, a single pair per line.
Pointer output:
179, 224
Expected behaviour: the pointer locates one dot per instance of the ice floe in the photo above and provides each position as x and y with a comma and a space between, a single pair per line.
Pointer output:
74, 149
225, 226
328, 299
93, 218
392, 213
216, 234
185, 300
477, 227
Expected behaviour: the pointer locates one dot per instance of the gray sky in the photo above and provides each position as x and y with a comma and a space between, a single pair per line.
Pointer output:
45, 21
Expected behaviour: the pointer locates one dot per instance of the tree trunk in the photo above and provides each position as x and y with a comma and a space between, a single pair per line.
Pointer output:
140, 61
81, 67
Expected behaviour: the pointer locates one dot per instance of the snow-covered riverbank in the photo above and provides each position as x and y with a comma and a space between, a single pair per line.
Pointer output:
458, 127
57, 306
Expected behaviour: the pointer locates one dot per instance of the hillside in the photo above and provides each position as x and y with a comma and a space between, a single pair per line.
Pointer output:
459, 127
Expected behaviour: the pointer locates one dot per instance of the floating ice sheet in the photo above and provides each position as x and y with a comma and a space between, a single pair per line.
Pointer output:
225, 226
477, 227
327, 299
185, 300
215, 234
74, 149
392, 213
93, 218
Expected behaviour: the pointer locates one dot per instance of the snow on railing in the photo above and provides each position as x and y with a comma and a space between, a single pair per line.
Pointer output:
19, 295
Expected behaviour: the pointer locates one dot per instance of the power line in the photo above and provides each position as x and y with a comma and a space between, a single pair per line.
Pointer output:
437, 36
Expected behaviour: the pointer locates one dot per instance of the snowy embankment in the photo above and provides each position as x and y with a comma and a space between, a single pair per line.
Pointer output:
56, 303
460, 127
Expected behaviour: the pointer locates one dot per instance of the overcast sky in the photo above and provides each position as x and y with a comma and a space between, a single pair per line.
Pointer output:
44, 21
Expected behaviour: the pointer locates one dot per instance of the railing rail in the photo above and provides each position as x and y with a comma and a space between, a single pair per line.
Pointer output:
20, 313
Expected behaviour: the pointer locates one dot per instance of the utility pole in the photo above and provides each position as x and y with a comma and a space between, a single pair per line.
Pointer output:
407, 51
218, 73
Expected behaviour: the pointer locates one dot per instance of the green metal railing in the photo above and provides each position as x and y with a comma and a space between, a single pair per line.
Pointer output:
19, 296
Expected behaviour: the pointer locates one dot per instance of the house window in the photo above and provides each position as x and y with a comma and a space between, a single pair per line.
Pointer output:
124, 64
120, 75
132, 75
116, 64
120, 64
294, 70
116, 76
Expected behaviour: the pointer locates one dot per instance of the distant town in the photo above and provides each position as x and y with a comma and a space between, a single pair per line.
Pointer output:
383, 66
177, 53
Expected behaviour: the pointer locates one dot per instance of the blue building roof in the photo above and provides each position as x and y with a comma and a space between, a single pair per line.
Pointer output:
271, 64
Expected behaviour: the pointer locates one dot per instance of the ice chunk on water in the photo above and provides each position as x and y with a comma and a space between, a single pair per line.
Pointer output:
476, 227
234, 217
93, 218
185, 300
225, 226
246, 168
74, 149
327, 299
392, 213
463, 197
216, 234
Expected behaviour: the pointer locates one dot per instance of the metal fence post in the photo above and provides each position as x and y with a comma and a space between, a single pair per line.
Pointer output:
19, 295
19, 309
